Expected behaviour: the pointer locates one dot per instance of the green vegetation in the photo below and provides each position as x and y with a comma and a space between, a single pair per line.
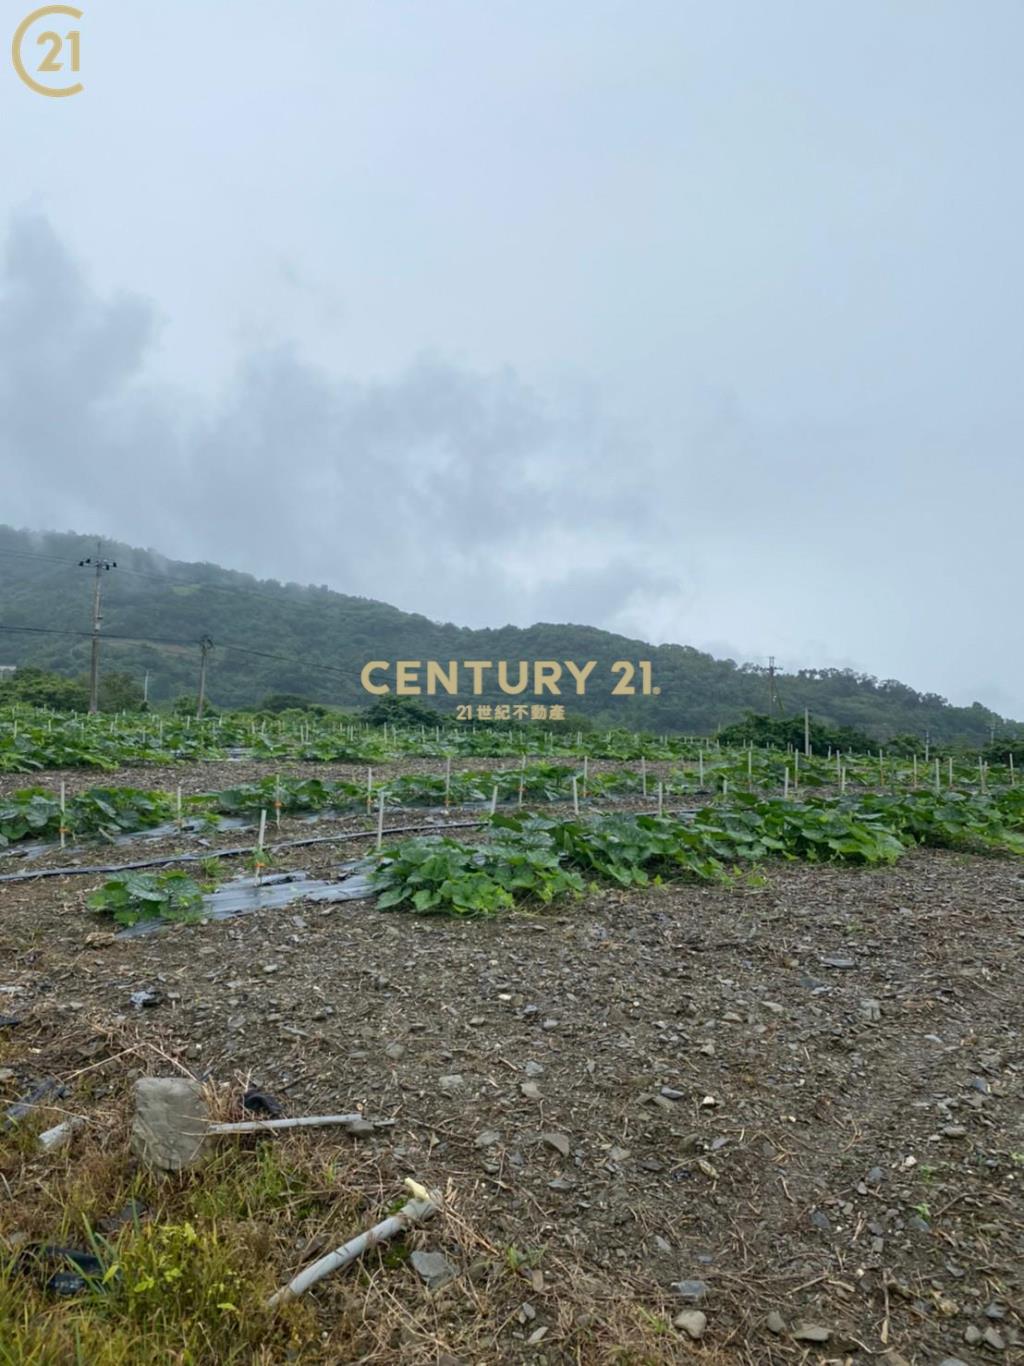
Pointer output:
194, 1257
148, 896
954, 820
33, 739
186, 1279
118, 691
313, 644
30, 741
403, 712
444, 875
106, 811
1002, 751
284, 795
787, 732
523, 859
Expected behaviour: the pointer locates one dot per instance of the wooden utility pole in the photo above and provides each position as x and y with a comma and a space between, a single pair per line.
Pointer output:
205, 646
100, 566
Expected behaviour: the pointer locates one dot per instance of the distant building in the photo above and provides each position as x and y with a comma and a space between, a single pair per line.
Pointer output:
7, 669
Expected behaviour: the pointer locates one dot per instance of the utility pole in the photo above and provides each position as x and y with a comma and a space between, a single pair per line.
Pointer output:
205, 646
145, 689
773, 695
100, 566
807, 733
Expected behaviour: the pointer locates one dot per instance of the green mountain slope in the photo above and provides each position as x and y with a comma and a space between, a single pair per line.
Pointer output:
272, 637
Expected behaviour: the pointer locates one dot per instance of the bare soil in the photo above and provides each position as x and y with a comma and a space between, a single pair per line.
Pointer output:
802, 1091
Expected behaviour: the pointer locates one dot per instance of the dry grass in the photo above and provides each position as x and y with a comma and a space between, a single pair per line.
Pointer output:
191, 1259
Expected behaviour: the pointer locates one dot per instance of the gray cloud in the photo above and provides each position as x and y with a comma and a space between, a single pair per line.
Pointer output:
463, 495
469, 497
663, 318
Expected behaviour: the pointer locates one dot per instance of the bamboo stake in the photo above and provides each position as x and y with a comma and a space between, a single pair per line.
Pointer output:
369, 786
63, 812
259, 851
937, 783
643, 775
785, 783
448, 780
575, 795
380, 819
661, 798
494, 799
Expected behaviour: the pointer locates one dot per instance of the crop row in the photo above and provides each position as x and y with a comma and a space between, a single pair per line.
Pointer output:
37, 812
31, 741
529, 858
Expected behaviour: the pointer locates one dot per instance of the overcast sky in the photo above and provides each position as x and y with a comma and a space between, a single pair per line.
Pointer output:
701, 322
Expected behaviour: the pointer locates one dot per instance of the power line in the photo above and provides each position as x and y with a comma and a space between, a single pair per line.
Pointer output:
43, 631
35, 555
178, 644
282, 601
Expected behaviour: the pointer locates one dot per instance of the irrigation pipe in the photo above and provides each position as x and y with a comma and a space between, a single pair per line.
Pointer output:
422, 1206
230, 853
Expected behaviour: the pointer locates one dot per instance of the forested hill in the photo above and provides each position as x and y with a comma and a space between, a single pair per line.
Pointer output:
273, 637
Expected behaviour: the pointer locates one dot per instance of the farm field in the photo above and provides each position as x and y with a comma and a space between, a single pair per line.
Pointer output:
787, 1098
511, 724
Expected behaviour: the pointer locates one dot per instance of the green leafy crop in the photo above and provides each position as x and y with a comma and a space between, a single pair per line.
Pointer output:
149, 896
445, 875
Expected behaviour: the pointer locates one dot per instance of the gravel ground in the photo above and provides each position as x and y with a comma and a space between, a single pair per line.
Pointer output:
793, 1104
